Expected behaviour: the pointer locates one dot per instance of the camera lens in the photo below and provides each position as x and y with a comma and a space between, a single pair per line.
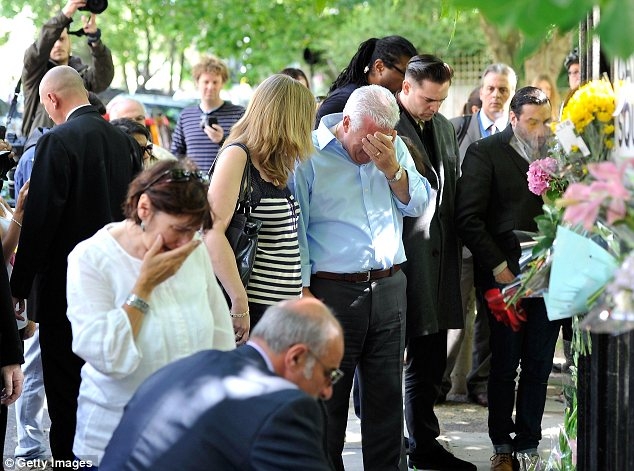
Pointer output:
95, 6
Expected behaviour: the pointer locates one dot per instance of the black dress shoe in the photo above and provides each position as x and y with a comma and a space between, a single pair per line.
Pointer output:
440, 460
481, 399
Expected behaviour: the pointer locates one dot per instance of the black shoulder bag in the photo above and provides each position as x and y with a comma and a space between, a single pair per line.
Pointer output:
242, 232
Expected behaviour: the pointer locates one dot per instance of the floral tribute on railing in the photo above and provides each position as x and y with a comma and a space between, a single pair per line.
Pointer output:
582, 259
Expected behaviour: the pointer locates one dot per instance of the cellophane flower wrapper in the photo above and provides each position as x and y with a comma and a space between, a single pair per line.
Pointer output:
580, 268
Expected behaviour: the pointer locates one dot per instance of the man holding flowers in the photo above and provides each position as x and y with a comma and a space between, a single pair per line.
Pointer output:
492, 201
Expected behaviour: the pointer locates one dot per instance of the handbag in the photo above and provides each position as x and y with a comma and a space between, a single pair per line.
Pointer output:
242, 232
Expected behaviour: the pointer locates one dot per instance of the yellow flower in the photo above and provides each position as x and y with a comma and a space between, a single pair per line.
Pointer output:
609, 129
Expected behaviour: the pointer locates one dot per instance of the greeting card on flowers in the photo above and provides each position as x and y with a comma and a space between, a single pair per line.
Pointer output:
565, 132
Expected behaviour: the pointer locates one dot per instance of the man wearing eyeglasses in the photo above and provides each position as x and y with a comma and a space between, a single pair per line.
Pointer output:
80, 177
251, 408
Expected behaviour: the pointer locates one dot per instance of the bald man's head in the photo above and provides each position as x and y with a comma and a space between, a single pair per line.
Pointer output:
127, 108
61, 90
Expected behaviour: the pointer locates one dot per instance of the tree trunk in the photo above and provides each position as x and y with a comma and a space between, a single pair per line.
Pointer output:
549, 58
503, 47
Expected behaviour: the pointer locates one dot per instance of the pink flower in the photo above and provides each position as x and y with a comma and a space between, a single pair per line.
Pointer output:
540, 173
582, 207
610, 186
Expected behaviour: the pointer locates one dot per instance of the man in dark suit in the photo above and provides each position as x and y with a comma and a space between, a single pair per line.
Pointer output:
433, 258
497, 88
80, 177
492, 201
253, 408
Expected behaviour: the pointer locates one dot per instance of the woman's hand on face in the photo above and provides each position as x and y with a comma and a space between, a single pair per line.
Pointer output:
158, 265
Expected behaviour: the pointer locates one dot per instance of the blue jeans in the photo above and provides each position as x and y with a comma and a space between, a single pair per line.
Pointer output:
29, 408
373, 319
532, 348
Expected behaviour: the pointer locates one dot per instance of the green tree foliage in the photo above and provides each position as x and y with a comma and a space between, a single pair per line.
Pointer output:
431, 26
536, 18
260, 37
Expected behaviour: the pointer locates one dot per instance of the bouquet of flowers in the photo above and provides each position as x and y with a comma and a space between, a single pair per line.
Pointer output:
606, 205
584, 136
590, 109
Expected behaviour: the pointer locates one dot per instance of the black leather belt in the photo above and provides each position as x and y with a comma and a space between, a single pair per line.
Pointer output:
362, 277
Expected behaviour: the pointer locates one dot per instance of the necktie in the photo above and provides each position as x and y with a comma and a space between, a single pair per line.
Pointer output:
492, 129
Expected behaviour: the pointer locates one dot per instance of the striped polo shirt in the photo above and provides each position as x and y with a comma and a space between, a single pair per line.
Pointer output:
191, 141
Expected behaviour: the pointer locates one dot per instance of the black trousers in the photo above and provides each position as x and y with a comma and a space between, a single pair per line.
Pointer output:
62, 376
373, 319
426, 361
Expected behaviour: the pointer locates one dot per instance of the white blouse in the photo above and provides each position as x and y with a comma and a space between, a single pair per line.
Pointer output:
188, 313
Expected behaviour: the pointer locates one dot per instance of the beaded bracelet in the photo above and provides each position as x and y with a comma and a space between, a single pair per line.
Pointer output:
17, 222
239, 316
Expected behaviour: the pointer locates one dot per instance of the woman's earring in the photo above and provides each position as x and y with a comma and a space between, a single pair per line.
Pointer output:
142, 226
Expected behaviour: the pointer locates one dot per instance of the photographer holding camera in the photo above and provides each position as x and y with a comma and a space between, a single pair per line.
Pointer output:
52, 48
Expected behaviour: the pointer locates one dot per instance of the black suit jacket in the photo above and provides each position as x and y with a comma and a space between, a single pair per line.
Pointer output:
218, 411
492, 200
430, 241
79, 182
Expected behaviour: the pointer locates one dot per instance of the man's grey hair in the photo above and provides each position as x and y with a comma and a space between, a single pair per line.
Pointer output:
374, 102
282, 326
501, 69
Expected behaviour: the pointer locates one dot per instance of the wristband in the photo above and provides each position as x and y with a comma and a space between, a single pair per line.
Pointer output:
137, 303
94, 37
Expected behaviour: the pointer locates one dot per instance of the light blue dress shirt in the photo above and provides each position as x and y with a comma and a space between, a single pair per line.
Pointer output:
350, 221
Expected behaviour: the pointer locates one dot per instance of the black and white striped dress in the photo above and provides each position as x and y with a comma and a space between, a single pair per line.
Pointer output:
277, 268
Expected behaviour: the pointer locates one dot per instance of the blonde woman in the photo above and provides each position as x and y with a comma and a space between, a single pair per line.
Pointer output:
276, 130
547, 85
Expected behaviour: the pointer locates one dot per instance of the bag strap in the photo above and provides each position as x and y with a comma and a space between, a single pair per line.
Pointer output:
244, 197
462, 132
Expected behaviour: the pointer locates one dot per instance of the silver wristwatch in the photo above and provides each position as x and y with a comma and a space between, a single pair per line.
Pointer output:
137, 303
397, 176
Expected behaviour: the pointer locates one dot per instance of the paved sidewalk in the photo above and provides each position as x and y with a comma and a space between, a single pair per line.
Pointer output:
464, 430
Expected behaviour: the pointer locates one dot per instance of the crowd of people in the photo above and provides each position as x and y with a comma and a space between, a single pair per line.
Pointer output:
383, 225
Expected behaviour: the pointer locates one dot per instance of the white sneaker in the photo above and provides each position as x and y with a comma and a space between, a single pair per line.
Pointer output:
530, 462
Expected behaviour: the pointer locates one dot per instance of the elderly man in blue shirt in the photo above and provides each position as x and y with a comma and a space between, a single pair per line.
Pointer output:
353, 194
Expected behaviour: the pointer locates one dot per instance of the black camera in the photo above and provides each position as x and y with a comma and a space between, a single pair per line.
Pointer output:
95, 6
207, 120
